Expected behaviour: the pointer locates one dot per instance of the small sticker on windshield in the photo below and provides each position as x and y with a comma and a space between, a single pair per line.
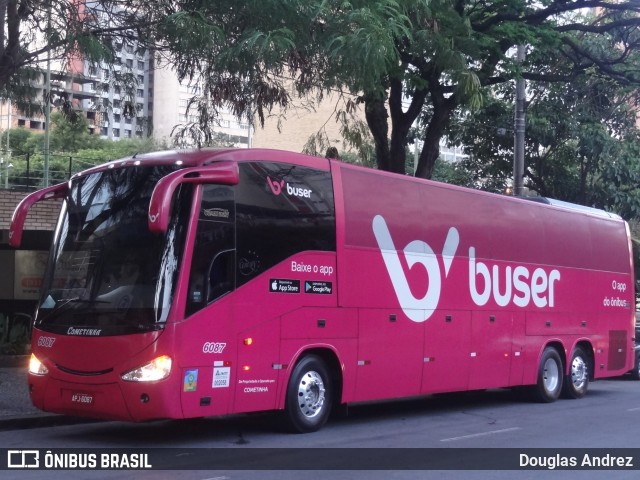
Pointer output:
49, 302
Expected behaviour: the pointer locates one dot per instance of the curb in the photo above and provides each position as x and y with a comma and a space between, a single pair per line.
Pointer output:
42, 421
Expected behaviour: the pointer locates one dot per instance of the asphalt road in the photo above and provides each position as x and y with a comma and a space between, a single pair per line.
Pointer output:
605, 419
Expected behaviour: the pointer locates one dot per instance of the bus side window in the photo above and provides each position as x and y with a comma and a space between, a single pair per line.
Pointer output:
270, 226
212, 273
221, 275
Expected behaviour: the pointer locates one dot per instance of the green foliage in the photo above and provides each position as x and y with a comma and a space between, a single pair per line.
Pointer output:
454, 174
18, 141
615, 185
407, 61
582, 144
445, 67
72, 149
69, 135
64, 31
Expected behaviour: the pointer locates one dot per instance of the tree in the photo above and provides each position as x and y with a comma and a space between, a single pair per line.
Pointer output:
402, 61
75, 150
71, 135
406, 60
63, 31
582, 145
18, 138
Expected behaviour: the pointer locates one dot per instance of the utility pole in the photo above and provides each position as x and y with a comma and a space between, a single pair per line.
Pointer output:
519, 128
47, 102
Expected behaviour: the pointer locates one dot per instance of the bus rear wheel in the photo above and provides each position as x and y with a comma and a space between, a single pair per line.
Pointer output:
576, 382
309, 395
550, 376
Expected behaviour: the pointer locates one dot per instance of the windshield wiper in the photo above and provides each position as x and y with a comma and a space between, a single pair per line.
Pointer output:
63, 301
60, 305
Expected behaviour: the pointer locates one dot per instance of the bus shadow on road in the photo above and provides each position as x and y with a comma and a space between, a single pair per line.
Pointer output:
433, 404
243, 429
238, 430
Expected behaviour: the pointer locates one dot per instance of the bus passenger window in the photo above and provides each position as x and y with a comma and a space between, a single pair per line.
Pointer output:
221, 275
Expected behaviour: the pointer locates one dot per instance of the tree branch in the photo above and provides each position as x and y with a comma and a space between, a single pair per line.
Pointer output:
536, 17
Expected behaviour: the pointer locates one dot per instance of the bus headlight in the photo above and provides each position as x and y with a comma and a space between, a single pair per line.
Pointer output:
36, 367
157, 369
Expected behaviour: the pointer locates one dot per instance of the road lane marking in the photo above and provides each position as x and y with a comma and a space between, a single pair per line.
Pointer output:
633, 409
482, 434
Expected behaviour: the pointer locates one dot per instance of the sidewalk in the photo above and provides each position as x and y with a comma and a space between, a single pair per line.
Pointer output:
16, 409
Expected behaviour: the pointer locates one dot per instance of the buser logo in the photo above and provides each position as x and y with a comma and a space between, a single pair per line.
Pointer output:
505, 285
417, 251
277, 188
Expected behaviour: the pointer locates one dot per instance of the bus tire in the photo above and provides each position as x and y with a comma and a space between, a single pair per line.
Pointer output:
309, 395
576, 382
550, 376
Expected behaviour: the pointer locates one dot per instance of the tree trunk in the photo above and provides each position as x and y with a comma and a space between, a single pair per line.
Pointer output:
443, 109
376, 115
401, 122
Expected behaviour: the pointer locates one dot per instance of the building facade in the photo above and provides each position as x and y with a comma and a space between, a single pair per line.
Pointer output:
174, 112
121, 95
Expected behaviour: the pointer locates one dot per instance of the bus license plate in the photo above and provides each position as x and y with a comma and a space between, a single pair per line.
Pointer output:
82, 398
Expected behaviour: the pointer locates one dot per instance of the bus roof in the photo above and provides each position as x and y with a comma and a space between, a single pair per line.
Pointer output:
205, 156
573, 206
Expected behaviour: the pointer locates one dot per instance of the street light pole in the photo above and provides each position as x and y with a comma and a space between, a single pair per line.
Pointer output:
519, 124
7, 166
47, 102
9, 126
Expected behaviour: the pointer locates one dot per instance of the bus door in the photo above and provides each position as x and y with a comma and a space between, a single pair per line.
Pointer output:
206, 340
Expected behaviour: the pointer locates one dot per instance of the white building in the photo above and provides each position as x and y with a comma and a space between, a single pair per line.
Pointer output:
121, 96
171, 100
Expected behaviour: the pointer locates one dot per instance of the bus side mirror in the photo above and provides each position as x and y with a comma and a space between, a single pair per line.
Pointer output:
221, 173
20, 213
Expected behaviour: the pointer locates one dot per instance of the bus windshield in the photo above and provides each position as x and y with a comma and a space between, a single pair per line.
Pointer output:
107, 274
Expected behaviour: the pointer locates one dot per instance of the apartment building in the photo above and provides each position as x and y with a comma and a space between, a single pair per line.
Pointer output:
119, 98
174, 111
96, 91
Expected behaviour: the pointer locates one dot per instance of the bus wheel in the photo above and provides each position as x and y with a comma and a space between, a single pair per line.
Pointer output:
577, 382
309, 395
550, 377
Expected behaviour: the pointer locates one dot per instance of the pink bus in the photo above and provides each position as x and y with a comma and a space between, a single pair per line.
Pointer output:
213, 282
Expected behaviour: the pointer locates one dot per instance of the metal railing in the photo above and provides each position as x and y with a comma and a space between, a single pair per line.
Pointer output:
26, 172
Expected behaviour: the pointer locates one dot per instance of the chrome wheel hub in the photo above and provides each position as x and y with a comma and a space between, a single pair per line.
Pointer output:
311, 394
551, 375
